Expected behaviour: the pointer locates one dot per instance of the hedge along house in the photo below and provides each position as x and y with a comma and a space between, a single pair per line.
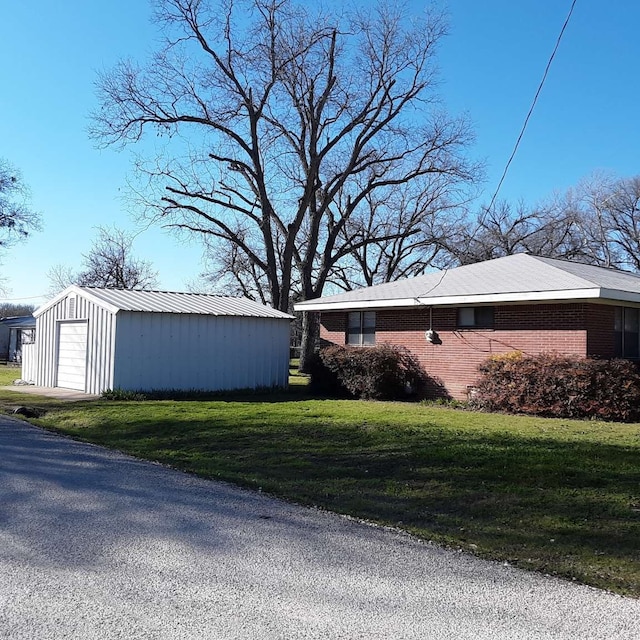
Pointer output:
452, 320
92, 339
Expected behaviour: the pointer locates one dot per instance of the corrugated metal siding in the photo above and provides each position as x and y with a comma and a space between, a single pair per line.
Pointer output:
100, 343
178, 351
29, 362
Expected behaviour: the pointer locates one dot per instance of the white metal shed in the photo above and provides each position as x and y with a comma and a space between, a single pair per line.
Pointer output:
92, 339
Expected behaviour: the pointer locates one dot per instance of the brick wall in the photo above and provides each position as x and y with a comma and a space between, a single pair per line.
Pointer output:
580, 329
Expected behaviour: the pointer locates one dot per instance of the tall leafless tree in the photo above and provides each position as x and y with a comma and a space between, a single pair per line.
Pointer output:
290, 119
414, 219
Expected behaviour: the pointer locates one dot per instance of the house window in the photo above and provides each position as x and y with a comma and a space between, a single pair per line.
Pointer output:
476, 318
627, 332
361, 328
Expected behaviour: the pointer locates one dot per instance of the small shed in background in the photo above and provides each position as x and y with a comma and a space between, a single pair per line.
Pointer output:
92, 339
14, 332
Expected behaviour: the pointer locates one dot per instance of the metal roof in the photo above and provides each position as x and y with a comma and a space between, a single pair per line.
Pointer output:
170, 302
515, 278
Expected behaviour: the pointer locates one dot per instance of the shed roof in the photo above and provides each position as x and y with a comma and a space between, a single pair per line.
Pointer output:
169, 302
516, 278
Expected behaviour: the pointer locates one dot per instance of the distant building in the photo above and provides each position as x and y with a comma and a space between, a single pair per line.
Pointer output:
14, 332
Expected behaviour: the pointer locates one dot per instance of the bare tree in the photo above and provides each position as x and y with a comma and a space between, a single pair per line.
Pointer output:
109, 263
596, 222
17, 218
616, 218
231, 272
412, 219
552, 230
60, 276
294, 120
9, 310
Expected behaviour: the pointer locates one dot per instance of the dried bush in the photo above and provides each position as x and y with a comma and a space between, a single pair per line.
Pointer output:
383, 372
560, 386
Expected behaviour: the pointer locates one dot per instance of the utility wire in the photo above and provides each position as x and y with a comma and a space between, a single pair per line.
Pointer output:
533, 104
3, 300
435, 286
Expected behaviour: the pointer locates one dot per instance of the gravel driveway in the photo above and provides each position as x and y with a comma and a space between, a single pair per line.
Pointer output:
94, 544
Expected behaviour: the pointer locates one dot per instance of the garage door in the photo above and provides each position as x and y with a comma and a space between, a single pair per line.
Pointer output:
72, 355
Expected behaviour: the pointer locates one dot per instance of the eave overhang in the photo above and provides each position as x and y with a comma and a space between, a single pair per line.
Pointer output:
564, 295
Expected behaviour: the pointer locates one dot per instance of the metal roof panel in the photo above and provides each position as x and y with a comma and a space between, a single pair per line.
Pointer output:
175, 302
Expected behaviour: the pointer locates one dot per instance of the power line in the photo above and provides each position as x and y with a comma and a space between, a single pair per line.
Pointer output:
533, 104
2, 300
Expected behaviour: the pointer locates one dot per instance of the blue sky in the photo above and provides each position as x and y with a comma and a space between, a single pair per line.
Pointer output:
586, 119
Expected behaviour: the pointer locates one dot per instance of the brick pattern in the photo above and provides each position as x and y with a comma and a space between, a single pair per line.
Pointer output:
576, 328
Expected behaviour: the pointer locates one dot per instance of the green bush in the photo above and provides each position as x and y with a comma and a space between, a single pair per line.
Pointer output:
324, 381
122, 394
560, 386
381, 372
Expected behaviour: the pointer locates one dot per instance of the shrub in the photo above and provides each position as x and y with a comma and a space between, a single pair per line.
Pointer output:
323, 380
560, 386
381, 372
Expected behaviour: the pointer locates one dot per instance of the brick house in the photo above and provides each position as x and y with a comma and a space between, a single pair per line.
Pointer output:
452, 320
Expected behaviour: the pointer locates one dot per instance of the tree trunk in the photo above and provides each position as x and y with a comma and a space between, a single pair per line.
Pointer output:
309, 339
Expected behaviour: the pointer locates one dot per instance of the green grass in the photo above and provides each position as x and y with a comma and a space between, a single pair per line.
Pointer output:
8, 374
557, 496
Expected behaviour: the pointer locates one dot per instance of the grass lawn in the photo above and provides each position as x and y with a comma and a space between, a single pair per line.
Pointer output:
558, 496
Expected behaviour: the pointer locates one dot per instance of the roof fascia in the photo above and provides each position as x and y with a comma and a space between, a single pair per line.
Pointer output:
50, 303
620, 296
493, 298
78, 291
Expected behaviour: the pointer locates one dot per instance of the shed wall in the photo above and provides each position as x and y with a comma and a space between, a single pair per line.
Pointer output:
157, 351
100, 342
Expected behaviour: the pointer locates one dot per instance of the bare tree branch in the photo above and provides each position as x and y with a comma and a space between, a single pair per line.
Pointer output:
109, 264
303, 120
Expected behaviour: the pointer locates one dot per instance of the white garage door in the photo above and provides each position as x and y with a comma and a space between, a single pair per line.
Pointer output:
72, 355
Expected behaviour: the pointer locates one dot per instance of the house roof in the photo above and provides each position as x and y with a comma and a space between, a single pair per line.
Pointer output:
116, 300
19, 322
516, 278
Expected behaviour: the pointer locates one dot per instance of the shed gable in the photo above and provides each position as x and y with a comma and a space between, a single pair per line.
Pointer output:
100, 332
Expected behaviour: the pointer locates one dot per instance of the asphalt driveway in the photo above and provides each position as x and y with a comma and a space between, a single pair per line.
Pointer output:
94, 544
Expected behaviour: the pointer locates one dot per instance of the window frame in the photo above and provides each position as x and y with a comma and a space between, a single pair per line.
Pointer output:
361, 329
626, 338
484, 317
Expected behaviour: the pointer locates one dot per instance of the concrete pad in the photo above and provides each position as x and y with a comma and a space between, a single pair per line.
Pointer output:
59, 393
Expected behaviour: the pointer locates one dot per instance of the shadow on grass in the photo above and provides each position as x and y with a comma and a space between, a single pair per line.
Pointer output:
570, 508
